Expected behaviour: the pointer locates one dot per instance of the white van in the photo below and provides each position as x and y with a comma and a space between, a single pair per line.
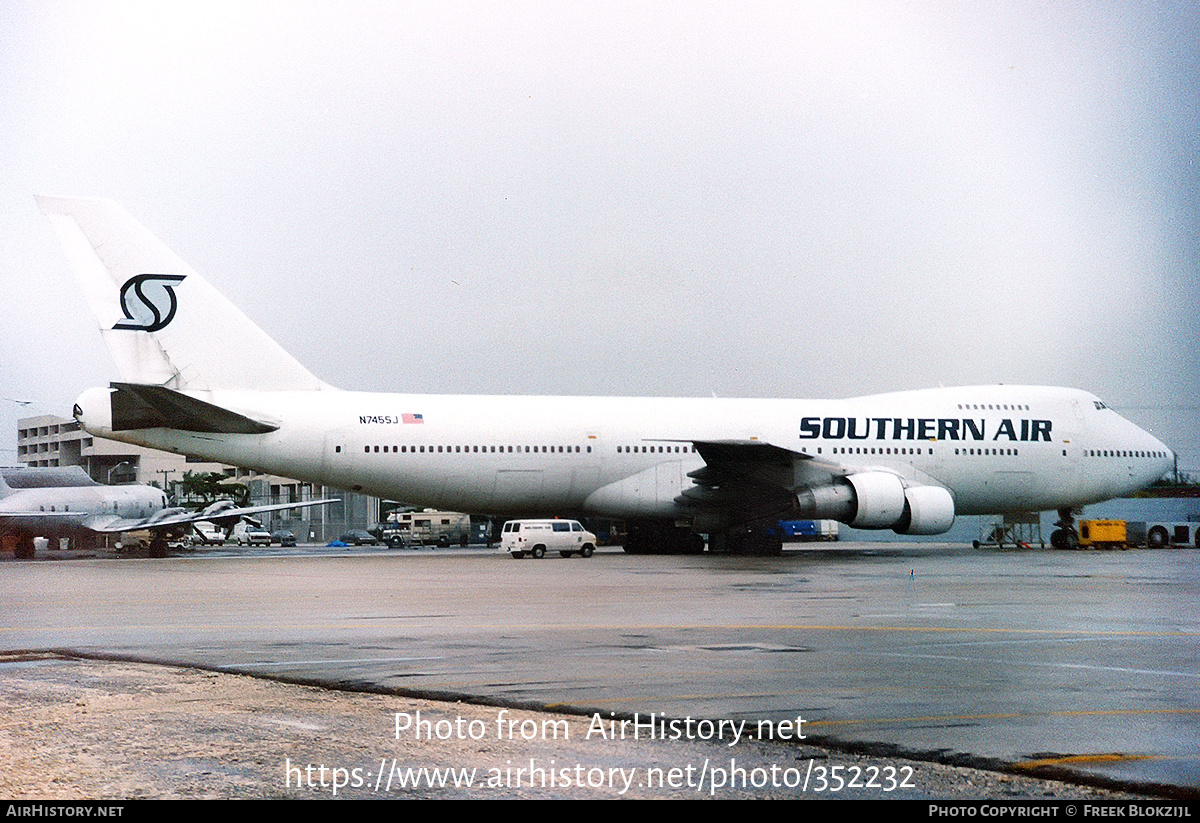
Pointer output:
251, 534
207, 534
536, 537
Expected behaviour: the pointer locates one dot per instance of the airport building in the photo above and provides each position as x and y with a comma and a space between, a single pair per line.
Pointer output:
49, 440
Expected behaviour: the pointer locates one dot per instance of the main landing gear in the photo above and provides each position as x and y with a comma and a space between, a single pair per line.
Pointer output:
23, 550
158, 545
752, 541
759, 540
661, 538
1066, 536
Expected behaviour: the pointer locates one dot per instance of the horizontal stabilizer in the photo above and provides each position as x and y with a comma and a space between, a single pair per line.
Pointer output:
136, 406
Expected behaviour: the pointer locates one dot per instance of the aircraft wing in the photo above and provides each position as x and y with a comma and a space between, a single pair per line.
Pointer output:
167, 518
753, 477
11, 519
758, 481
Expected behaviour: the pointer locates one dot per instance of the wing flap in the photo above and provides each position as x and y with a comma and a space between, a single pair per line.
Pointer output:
749, 477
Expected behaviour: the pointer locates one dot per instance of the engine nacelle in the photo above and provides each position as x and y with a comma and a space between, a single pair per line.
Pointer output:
220, 506
879, 500
867, 500
927, 510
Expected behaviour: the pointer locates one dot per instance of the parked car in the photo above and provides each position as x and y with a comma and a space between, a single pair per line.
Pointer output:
283, 537
359, 537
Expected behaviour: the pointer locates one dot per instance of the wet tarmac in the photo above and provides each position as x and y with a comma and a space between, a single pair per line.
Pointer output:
1080, 663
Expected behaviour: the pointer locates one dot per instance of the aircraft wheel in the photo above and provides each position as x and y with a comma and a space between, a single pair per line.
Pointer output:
768, 545
539, 552
24, 548
158, 547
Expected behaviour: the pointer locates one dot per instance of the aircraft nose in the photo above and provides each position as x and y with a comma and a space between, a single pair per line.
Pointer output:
1166, 460
1160, 458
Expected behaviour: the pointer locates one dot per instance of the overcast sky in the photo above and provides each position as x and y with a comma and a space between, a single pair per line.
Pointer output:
747, 199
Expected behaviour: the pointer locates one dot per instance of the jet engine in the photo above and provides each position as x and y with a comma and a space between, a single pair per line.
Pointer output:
880, 500
927, 510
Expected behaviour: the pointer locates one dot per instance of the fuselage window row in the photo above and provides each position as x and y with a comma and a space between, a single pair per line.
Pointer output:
477, 449
878, 450
1114, 453
531, 450
687, 449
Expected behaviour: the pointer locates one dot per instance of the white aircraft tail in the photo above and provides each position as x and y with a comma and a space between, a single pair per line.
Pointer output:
17, 478
164, 324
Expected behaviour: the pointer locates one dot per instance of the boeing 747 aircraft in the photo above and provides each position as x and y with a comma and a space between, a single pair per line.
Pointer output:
672, 468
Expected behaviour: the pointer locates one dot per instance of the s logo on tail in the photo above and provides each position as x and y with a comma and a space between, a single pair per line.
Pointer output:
149, 301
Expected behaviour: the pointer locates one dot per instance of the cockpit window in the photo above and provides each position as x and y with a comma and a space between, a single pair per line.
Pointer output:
1099, 404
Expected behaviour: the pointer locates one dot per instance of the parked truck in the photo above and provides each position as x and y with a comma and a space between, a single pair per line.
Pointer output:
1126, 534
809, 530
426, 528
1164, 534
1103, 534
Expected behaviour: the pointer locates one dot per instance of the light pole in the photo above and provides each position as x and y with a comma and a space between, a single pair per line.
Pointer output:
164, 473
114, 468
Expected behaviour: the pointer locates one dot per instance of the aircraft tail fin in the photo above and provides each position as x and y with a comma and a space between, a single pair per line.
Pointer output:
164, 324
16, 478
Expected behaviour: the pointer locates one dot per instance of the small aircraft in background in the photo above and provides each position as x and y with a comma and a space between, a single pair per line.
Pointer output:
64, 501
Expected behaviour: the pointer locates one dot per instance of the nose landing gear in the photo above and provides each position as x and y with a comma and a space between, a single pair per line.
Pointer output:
1066, 536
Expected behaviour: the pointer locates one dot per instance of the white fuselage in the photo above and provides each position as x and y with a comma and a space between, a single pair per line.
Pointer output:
53, 511
995, 448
